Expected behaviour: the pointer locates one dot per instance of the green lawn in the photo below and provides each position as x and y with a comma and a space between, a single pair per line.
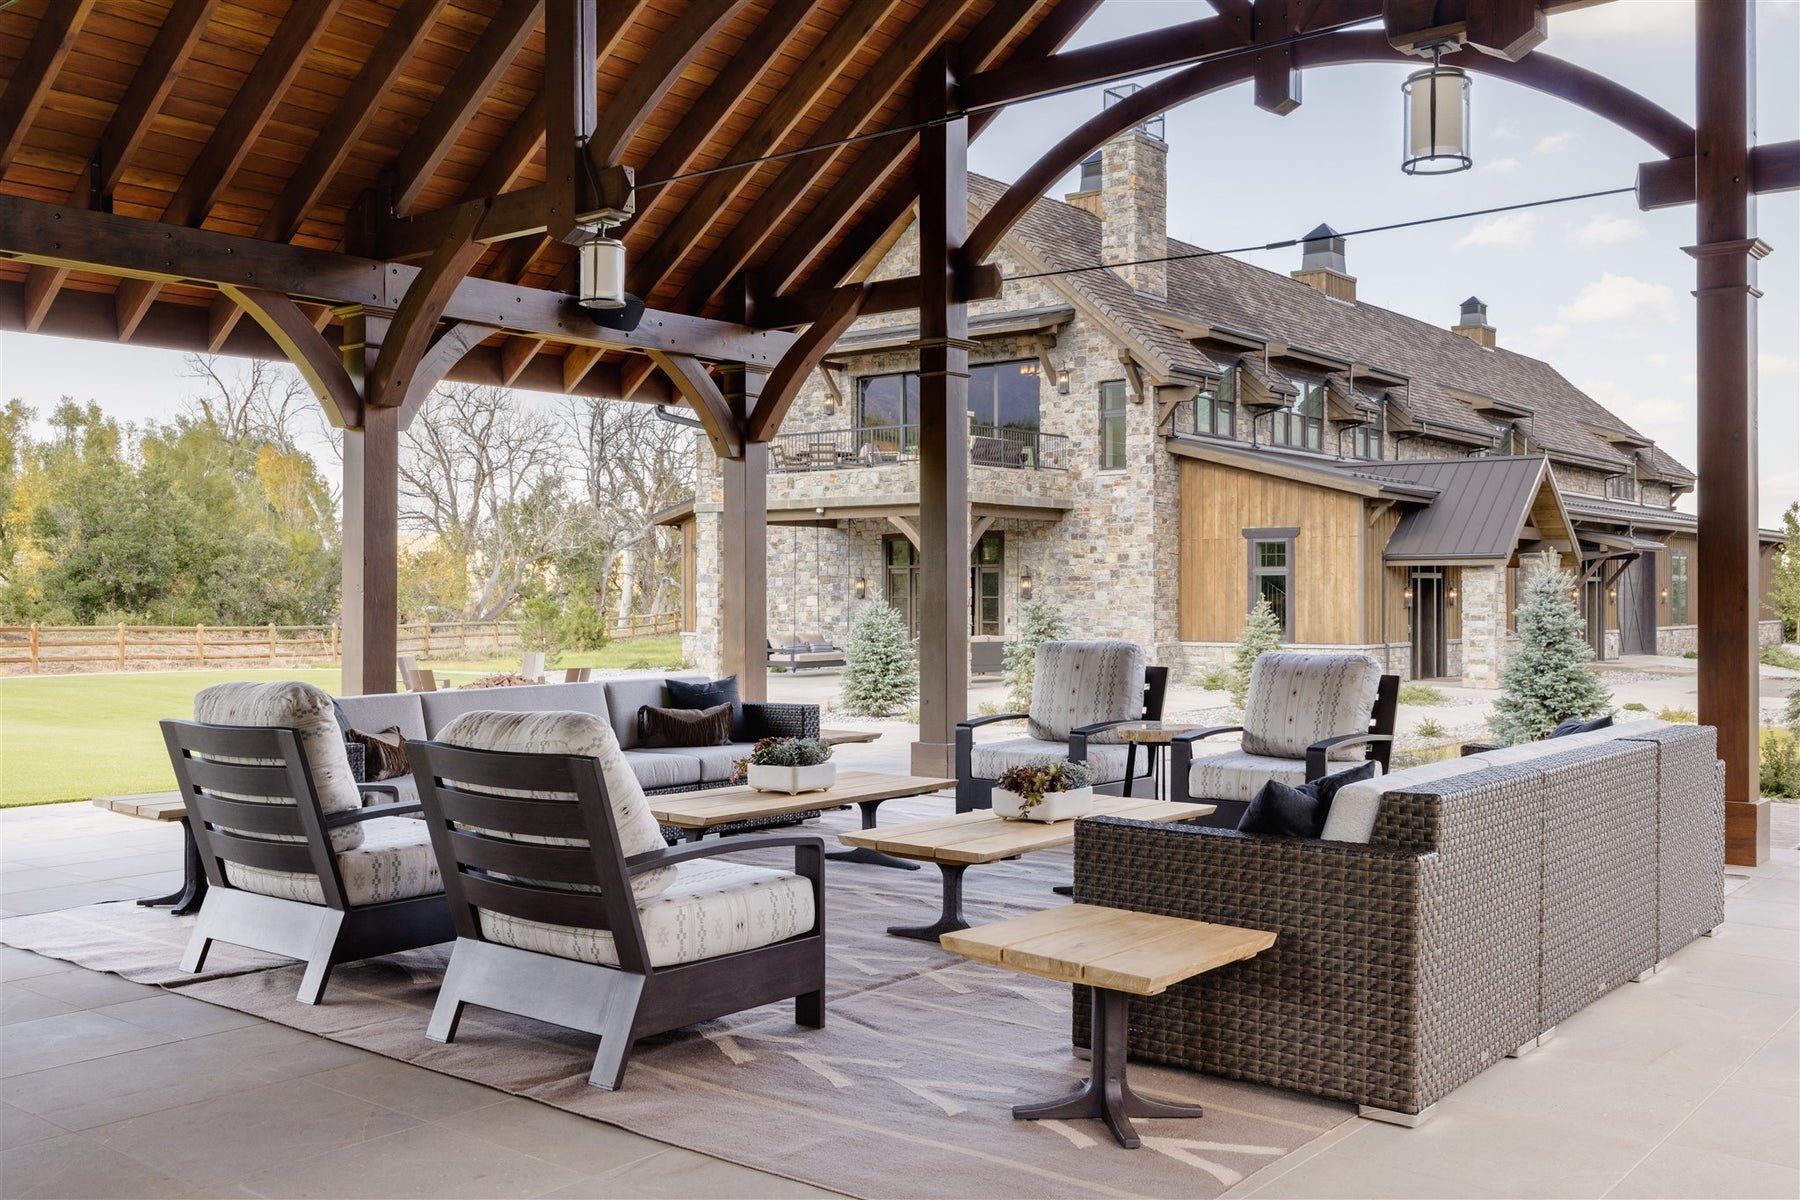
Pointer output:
73, 737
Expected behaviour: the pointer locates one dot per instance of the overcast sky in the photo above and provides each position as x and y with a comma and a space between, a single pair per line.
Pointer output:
1597, 288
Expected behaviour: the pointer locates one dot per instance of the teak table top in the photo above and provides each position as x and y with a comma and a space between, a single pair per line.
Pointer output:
1139, 953
982, 837
721, 806
151, 806
1155, 733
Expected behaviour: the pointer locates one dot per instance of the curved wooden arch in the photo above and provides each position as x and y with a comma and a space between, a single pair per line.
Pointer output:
1663, 130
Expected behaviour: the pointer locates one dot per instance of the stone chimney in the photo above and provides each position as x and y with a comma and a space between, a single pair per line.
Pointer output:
1134, 209
1322, 265
1473, 324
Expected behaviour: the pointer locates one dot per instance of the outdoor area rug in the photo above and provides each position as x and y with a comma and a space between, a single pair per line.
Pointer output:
907, 1091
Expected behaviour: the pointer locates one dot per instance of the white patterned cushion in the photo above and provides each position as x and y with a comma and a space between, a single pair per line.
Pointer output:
710, 908
991, 758
394, 862
289, 704
1083, 683
1298, 699
586, 736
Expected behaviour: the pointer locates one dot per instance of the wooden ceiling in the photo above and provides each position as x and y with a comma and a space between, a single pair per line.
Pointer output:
303, 121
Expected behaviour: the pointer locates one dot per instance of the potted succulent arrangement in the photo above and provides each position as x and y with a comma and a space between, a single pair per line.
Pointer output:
791, 765
1049, 789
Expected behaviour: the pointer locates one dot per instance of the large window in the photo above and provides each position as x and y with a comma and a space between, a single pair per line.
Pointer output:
902, 562
1002, 396
1272, 573
1366, 440
1678, 589
1302, 424
1112, 425
985, 614
1622, 487
1215, 407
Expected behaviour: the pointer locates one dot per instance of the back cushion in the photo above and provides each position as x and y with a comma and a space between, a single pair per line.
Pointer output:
624, 697
1082, 683
586, 736
289, 704
400, 710
441, 708
1298, 699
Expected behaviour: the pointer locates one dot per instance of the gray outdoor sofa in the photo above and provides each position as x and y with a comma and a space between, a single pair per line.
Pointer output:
422, 715
1462, 910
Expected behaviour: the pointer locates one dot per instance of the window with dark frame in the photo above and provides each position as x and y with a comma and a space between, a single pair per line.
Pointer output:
986, 612
1002, 397
1678, 589
1368, 439
1112, 425
1215, 406
1301, 424
1271, 555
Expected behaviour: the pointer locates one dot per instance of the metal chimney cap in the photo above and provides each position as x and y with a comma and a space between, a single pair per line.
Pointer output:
1323, 250
1474, 312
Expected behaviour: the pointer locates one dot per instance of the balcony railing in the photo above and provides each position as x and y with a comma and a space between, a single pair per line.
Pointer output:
881, 445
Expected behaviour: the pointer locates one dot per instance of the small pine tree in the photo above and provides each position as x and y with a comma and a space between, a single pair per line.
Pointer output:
880, 674
1784, 582
1547, 680
1039, 621
1262, 634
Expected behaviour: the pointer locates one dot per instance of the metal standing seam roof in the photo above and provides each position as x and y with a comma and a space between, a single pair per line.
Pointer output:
1481, 506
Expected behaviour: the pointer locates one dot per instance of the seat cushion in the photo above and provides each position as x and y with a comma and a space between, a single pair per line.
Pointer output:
441, 708
711, 908
400, 710
657, 770
1237, 775
991, 758
394, 862
716, 762
578, 734
290, 704
1084, 683
1298, 699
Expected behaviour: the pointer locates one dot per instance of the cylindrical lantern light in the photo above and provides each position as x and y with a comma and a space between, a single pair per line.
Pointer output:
602, 273
1437, 120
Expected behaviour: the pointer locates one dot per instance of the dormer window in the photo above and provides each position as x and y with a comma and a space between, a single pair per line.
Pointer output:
1215, 406
1366, 440
1302, 423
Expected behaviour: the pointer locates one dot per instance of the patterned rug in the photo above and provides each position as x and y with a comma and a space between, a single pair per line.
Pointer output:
907, 1091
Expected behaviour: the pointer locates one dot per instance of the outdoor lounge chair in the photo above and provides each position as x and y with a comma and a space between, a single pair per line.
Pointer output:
569, 908
1079, 692
1306, 716
295, 864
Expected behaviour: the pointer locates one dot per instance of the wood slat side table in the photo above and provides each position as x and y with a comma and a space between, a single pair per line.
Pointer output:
1117, 954
1154, 737
166, 806
956, 843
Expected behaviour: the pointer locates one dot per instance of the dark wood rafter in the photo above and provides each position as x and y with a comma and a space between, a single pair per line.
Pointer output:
36, 72
461, 98
1668, 182
317, 360
785, 380
772, 126
515, 354
516, 150
674, 51
222, 316
634, 373
724, 429
571, 109
395, 377
401, 40
1240, 13
980, 282
577, 363
131, 302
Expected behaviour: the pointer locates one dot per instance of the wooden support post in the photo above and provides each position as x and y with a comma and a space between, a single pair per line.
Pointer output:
121, 645
36, 635
371, 520
271, 641
744, 544
943, 425
200, 644
1726, 411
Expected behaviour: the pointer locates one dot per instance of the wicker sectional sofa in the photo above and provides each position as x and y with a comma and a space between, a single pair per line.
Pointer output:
1487, 900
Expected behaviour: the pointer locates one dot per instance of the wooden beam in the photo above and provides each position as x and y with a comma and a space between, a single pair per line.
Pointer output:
416, 319
1156, 50
1277, 86
1665, 183
570, 108
41, 285
222, 316
462, 97
978, 530
162, 65
515, 352
766, 133
1508, 29
36, 71
577, 363
61, 236
242, 122
522, 141
522, 214
634, 373
317, 360
400, 41
785, 380
907, 529
449, 348
131, 302
982, 282
744, 545
671, 54
722, 426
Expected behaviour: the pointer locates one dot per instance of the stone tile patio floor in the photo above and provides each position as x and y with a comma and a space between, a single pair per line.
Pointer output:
1686, 1085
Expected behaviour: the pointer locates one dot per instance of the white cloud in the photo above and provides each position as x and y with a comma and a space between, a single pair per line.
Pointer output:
1500, 166
1508, 230
1769, 363
1620, 298
1504, 132
1555, 143
1608, 230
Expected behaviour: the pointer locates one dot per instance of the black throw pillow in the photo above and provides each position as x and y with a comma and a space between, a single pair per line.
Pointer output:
667, 727
1580, 725
688, 693
1284, 810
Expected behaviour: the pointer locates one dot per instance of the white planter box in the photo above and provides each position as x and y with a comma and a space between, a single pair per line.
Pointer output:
1055, 806
793, 780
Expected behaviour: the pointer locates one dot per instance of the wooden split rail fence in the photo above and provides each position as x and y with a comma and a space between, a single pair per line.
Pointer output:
73, 649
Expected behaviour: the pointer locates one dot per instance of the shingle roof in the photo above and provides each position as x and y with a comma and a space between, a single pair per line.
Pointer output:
1219, 290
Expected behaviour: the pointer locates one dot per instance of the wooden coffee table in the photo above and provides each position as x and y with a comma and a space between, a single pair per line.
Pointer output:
958, 842
1118, 954
696, 812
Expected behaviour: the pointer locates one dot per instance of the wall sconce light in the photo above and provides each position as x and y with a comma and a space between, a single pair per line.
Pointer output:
1613, 594
1665, 594
1407, 596
1450, 597
1025, 583
862, 587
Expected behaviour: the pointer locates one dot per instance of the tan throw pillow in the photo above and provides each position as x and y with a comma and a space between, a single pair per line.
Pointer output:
660, 728
385, 752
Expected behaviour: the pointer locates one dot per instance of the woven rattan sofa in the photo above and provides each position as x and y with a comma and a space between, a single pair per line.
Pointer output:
1467, 908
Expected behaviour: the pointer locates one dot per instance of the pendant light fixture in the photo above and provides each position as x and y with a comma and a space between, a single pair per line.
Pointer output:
1436, 102
602, 272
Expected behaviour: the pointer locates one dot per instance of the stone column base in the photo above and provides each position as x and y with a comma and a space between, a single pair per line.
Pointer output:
1746, 832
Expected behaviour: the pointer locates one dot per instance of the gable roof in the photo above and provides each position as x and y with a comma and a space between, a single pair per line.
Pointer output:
1437, 363
1482, 505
